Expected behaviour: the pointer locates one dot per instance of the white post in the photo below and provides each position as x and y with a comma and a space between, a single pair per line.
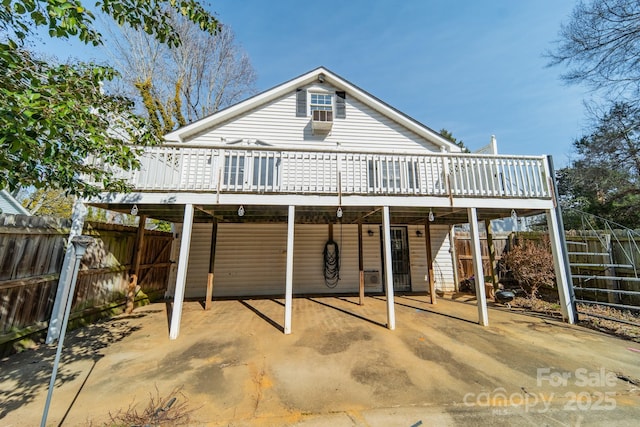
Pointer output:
386, 229
483, 318
561, 265
288, 295
64, 282
563, 278
494, 145
181, 276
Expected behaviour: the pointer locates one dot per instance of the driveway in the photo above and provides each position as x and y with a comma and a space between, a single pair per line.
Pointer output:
339, 367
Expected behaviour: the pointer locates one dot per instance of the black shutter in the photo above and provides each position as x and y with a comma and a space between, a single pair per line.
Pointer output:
341, 112
301, 103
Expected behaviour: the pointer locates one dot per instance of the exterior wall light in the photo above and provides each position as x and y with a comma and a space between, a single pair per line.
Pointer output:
339, 212
134, 210
432, 217
241, 211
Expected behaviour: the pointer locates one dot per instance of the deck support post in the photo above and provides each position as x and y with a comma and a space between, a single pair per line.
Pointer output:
563, 277
483, 318
559, 250
388, 269
493, 264
432, 281
64, 283
136, 262
454, 255
181, 275
288, 296
212, 261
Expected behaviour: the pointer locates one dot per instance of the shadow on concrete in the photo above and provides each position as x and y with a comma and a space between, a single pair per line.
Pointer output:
276, 301
262, 315
66, 414
347, 300
426, 309
169, 311
341, 310
30, 371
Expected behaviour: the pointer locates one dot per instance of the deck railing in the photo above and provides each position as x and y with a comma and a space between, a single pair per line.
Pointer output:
259, 170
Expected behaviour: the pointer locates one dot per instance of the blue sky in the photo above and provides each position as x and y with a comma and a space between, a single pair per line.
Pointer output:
475, 68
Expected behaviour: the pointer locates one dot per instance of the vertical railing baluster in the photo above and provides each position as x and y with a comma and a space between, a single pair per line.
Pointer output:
451, 175
466, 182
528, 187
486, 174
470, 177
446, 176
458, 178
540, 178
509, 178
159, 157
516, 174
473, 170
494, 175
522, 178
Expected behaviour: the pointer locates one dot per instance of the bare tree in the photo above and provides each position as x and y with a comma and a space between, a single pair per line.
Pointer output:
600, 46
47, 201
180, 85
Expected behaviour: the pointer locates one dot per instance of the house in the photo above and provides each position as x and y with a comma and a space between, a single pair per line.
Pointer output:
9, 205
317, 187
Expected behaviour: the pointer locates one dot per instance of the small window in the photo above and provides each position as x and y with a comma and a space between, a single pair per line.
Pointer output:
393, 175
234, 170
321, 102
265, 169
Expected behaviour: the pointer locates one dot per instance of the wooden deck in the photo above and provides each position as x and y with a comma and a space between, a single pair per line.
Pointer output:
259, 170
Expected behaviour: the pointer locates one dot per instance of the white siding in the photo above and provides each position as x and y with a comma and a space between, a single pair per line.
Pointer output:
442, 260
198, 268
275, 123
9, 205
251, 259
418, 259
308, 272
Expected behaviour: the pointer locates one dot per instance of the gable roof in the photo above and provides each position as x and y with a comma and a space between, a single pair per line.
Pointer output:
327, 76
9, 205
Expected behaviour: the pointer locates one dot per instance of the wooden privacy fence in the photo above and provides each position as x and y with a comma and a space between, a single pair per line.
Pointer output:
464, 259
31, 253
605, 267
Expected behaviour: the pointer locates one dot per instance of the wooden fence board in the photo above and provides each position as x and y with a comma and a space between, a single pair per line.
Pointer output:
464, 261
31, 253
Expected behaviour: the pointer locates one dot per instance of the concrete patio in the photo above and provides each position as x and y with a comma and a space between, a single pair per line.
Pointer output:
339, 367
